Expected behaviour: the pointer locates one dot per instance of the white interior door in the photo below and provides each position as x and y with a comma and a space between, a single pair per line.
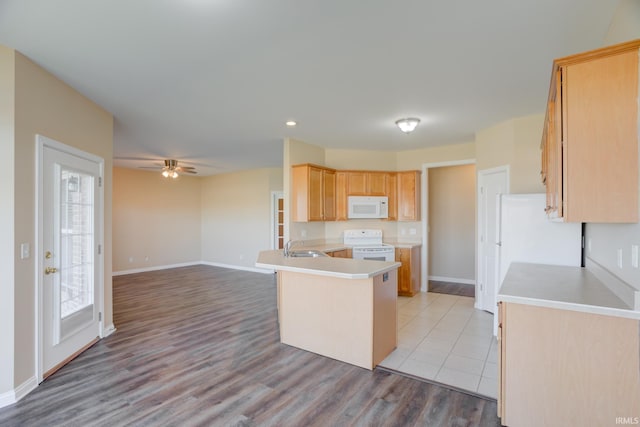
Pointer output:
71, 275
491, 183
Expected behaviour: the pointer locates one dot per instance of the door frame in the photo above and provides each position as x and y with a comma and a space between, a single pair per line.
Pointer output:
42, 142
424, 286
481, 174
275, 196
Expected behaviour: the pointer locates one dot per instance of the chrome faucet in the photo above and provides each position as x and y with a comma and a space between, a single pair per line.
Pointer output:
287, 248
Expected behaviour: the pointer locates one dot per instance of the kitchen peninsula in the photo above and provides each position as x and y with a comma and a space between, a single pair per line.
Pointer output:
336, 307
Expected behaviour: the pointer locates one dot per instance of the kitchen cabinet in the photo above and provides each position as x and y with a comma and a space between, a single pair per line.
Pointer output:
367, 183
590, 137
565, 367
343, 253
409, 271
341, 196
314, 193
392, 193
408, 208
321, 194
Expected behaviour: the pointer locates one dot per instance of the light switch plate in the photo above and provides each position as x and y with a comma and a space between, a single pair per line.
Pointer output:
25, 251
634, 256
619, 258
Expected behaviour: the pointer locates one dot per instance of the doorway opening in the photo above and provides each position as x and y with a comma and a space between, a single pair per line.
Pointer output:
448, 225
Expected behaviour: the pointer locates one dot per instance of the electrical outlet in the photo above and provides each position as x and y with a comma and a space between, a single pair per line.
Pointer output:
130, 259
412, 231
619, 258
634, 256
589, 245
303, 233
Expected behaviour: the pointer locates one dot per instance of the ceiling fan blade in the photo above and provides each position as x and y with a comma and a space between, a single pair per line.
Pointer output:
191, 172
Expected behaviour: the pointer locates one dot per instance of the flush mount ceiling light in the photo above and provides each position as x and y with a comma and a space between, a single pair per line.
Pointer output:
291, 123
407, 125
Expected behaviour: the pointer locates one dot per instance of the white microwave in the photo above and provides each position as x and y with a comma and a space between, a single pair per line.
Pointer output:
368, 207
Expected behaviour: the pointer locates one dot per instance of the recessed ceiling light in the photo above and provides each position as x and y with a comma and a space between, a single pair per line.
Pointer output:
291, 123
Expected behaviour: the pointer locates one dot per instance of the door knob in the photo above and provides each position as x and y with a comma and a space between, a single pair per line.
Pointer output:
50, 270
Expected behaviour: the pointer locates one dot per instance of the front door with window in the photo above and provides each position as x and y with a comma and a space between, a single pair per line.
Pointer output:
71, 273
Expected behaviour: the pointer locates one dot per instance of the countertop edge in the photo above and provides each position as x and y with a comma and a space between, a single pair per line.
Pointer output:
561, 305
337, 274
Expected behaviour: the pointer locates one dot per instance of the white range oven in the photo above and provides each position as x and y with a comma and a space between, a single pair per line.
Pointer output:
367, 244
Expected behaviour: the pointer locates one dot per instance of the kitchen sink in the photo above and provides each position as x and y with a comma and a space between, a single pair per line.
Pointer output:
307, 254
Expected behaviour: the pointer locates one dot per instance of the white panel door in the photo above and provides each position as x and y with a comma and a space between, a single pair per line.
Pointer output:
491, 183
70, 282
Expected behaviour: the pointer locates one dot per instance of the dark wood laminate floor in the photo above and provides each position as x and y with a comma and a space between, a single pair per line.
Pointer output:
199, 346
450, 288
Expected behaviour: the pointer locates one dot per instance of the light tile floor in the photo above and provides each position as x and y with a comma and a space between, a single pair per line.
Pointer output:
445, 339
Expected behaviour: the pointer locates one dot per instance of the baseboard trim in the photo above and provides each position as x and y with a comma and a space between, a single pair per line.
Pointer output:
155, 268
237, 267
108, 330
12, 396
453, 280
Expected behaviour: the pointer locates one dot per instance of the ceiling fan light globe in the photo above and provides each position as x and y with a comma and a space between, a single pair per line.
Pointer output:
165, 174
174, 174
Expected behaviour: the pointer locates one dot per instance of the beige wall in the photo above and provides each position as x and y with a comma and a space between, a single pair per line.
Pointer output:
360, 159
414, 159
606, 239
156, 221
7, 210
515, 142
236, 216
452, 218
43, 105
625, 24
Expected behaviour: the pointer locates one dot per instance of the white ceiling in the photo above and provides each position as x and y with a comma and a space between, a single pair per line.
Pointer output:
213, 81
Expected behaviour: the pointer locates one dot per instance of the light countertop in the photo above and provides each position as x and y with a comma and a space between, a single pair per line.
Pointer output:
325, 266
330, 247
399, 244
567, 288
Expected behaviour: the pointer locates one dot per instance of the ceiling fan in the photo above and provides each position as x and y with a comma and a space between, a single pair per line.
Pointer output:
171, 169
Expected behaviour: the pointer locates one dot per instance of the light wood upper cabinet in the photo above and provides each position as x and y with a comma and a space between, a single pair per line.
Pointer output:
341, 196
320, 193
392, 193
590, 139
357, 183
408, 196
329, 195
314, 193
367, 183
377, 183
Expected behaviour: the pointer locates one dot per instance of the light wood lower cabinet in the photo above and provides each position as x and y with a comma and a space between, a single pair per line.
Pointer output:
566, 368
343, 253
409, 271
